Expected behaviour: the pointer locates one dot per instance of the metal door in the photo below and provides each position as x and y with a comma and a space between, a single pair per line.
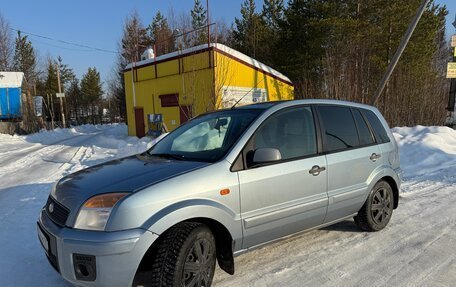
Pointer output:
139, 122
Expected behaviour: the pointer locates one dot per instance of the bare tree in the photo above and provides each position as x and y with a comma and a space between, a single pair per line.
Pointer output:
6, 45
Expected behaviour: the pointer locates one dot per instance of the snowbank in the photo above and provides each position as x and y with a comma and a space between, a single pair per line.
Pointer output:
425, 150
106, 142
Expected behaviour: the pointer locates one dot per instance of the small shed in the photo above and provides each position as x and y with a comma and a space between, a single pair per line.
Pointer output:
186, 83
10, 95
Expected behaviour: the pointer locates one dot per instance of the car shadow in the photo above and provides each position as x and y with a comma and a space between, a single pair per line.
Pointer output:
344, 226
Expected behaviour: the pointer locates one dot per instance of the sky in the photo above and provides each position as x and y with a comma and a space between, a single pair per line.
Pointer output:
98, 23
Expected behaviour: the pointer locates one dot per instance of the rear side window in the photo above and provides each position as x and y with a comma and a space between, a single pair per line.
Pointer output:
365, 136
340, 129
377, 128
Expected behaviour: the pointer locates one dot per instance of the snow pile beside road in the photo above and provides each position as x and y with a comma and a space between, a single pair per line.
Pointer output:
68, 150
58, 134
112, 137
425, 150
134, 146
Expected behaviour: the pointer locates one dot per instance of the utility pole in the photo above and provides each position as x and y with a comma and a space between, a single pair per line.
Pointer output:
61, 99
405, 40
51, 112
208, 26
133, 80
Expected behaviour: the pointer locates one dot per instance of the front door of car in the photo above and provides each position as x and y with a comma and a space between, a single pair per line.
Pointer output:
285, 196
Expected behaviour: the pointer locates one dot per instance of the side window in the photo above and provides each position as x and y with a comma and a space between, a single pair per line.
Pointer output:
340, 128
377, 127
292, 132
365, 136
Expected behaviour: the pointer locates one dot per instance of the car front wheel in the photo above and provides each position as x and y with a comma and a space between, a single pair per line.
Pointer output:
185, 256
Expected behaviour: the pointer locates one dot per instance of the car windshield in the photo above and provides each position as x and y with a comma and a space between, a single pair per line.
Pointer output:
205, 138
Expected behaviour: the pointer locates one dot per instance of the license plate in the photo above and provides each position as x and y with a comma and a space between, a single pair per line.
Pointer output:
43, 239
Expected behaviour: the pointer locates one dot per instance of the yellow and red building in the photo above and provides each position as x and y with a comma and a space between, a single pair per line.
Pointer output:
186, 83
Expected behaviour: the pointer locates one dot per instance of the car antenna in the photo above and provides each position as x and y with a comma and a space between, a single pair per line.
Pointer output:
233, 106
246, 93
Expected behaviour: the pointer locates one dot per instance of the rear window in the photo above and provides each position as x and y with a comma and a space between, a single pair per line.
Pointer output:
340, 129
377, 128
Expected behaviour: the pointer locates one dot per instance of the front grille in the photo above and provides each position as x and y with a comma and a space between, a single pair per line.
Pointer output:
57, 212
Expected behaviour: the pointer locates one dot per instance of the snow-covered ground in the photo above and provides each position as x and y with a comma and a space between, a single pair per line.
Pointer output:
418, 248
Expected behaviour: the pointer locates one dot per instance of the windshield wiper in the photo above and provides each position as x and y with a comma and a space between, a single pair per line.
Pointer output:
168, 155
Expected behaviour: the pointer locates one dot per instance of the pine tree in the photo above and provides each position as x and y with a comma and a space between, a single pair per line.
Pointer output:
134, 39
199, 20
272, 13
161, 35
92, 92
74, 100
302, 40
272, 17
249, 32
49, 89
340, 50
66, 73
51, 78
133, 42
24, 59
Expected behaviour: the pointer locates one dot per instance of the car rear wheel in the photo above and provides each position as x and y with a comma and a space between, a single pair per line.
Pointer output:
378, 208
185, 256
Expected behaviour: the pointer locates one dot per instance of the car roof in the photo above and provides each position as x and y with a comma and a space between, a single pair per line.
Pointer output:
267, 105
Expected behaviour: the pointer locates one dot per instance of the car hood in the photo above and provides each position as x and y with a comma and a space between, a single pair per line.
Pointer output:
128, 174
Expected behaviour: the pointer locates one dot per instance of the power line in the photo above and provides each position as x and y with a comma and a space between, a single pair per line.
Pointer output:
57, 46
65, 42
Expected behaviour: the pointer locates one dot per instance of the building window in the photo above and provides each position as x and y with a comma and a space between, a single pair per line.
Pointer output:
169, 100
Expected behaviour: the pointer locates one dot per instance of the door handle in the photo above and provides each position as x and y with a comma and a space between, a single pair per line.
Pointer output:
315, 170
374, 157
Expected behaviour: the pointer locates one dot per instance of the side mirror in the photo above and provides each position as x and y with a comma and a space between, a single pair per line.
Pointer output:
266, 155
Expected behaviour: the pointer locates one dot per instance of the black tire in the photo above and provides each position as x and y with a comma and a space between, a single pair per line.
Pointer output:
185, 256
378, 208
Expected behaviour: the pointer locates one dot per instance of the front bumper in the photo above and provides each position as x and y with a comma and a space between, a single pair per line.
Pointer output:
117, 254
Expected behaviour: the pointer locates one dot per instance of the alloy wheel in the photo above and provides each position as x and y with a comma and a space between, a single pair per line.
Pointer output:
198, 265
382, 206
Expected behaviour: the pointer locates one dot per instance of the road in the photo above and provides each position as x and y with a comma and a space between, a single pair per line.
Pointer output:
28, 170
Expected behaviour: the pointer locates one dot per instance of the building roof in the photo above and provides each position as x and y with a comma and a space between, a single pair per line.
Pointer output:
11, 79
219, 47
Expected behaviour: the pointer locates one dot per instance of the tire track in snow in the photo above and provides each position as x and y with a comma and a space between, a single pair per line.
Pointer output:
27, 155
50, 159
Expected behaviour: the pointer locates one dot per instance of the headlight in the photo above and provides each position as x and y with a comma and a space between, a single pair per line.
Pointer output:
94, 214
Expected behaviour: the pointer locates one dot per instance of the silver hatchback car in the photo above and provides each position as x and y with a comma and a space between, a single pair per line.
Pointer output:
219, 185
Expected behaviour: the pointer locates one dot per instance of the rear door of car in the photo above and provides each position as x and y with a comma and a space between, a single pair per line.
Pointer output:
387, 149
283, 197
352, 156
